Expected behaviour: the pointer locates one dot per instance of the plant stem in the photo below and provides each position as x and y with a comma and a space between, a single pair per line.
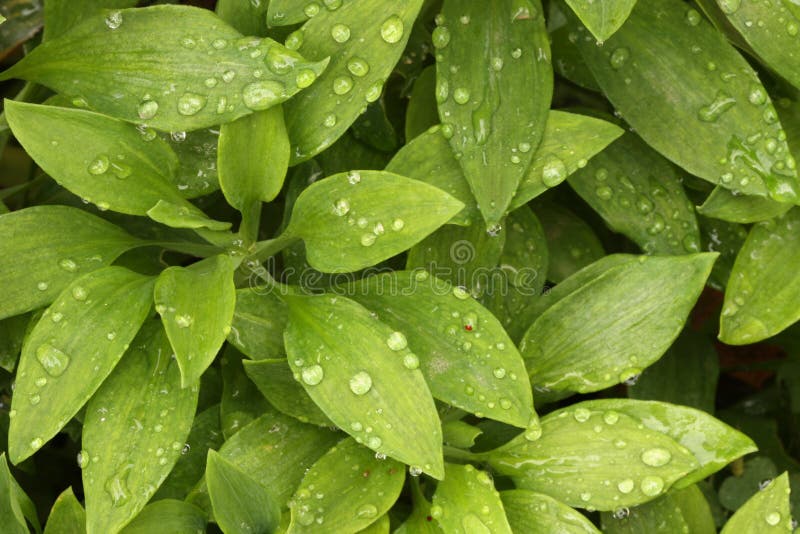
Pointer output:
461, 454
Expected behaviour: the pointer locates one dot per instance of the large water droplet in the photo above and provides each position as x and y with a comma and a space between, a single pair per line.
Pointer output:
117, 489
262, 94
625, 486
461, 95
342, 85
651, 485
581, 415
340, 33
366, 511
361, 383
729, 6
99, 165
656, 457
358, 67
312, 375
392, 29
713, 111
773, 518
147, 109
441, 37
341, 207
191, 103
397, 341
114, 20
54, 361
619, 57
554, 171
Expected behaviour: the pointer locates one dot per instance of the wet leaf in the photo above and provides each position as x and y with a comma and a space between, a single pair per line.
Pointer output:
637, 307
725, 238
460, 434
602, 18
167, 515
247, 17
466, 502
494, 84
61, 15
71, 350
353, 220
677, 511
364, 41
14, 504
196, 305
171, 67
581, 448
259, 320
351, 485
197, 161
464, 354
723, 204
760, 283
571, 242
67, 515
358, 375
23, 18
715, 119
134, 430
12, 332
181, 216
241, 400
290, 12
422, 112
529, 512
766, 511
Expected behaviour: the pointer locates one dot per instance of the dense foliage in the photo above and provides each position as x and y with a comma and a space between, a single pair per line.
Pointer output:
399, 266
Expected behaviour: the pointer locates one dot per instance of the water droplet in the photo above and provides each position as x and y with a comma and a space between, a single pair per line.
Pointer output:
374, 92
516, 53
773, 518
441, 37
99, 165
36, 443
713, 111
191, 103
311, 9
397, 341
219, 44
340, 33
366, 511
358, 67
460, 293
692, 17
651, 485
729, 6
554, 171
392, 29
330, 121
342, 85
341, 207
147, 109
361, 383
368, 240
611, 417
35, 398
499, 372
184, 321
117, 489
625, 486
581, 415
656, 457
374, 442
294, 40
436, 510
398, 224
79, 293
312, 375
114, 20
188, 42
757, 96
621, 513
42, 286
83, 459
40, 382
262, 94
411, 361
178, 137
619, 57
604, 192
461, 95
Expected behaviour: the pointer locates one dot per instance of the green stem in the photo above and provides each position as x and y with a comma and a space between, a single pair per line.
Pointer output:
266, 249
195, 249
460, 454
251, 221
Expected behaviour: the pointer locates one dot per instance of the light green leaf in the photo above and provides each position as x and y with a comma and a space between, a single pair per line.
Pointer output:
582, 448
640, 195
241, 400
364, 41
494, 84
240, 503
602, 18
464, 354
274, 380
422, 113
381, 526
103, 160
290, 12
67, 515
569, 141
718, 124
167, 515
196, 305
713, 443
571, 242
762, 292
181, 216
247, 17
253, 158
133, 432
613, 325
259, 320
44, 248
358, 371
767, 511
529, 512
12, 516
71, 350
420, 521
460, 434
724, 204
353, 487
353, 220
171, 67
61, 15
466, 502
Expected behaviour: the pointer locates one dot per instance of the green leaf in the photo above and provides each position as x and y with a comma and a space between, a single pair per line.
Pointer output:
134, 430
240, 503
247, 17
259, 320
719, 124
465, 355
290, 12
23, 21
12, 333
640, 195
167, 515
494, 84
724, 204
67, 515
529, 512
241, 400
582, 448
103, 160
353, 220
571, 242
44, 248
665, 514
253, 158
466, 502
197, 161
380, 526
170, 67
713, 443
275, 381
71, 350
422, 113
569, 141
61, 15
357, 370
766, 511
353, 487
603, 19
762, 292
737, 489
420, 521
12, 516
460, 434
725, 238
612, 325
196, 305
364, 40
181, 216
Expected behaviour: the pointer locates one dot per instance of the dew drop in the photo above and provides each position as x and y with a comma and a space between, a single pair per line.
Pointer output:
36, 443
692, 17
79, 293
397, 341
99, 165
330, 121
713, 111
83, 459
441, 37
190, 104
729, 6
411, 361
340, 33
619, 57
368, 240
184, 321
581, 415
341, 207
554, 171
656, 457
625, 486
358, 67
262, 94
42, 286
114, 20
312, 375
366, 511
773, 518
361, 383
651, 485
147, 109
117, 489
461, 95
392, 29
604, 192
342, 85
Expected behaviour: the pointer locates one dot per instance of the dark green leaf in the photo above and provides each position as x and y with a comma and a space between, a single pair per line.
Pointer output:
602, 18
240, 503
364, 40
460, 434
767, 511
44, 248
247, 17
12, 332
614, 324
351, 485
12, 516
724, 204
71, 350
465, 355
494, 84
61, 15
197, 161
364, 377
529, 512
23, 18
664, 515
725, 238
241, 401
67, 515
466, 502
289, 12
171, 67
196, 305
422, 113
715, 119
353, 220
168, 515
258, 323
